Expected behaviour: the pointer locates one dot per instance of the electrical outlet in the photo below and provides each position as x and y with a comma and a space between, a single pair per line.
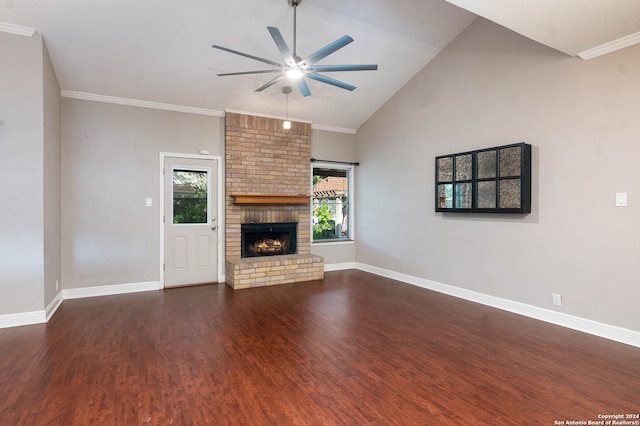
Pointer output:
57, 285
557, 299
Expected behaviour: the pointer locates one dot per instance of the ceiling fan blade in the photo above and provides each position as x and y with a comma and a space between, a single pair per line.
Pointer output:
326, 51
271, 82
287, 56
331, 68
331, 81
248, 72
246, 55
304, 88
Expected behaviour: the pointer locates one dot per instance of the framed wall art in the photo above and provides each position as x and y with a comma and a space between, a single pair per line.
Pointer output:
491, 180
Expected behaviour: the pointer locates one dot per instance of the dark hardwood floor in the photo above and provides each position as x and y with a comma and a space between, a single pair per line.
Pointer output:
353, 349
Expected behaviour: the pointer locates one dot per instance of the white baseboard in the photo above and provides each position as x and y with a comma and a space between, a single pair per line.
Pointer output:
611, 332
22, 318
339, 266
39, 317
33, 317
53, 306
108, 290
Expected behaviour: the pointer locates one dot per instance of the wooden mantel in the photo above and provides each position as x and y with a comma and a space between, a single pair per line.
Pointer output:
270, 199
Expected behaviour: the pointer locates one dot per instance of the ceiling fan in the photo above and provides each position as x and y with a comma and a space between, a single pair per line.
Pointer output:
297, 68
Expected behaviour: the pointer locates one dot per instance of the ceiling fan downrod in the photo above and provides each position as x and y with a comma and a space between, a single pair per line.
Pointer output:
294, 4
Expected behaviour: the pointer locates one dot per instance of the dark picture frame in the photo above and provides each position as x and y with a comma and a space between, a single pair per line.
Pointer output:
490, 180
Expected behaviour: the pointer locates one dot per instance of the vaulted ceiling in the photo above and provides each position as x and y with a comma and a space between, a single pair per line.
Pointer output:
159, 51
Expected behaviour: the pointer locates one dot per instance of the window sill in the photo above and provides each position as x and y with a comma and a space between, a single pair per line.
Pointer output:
332, 242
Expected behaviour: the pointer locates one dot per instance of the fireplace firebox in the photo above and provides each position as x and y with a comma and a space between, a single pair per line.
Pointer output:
268, 239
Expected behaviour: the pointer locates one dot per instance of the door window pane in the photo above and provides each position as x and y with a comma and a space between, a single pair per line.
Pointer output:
190, 196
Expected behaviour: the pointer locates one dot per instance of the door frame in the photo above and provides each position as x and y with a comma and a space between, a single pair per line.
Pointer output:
219, 204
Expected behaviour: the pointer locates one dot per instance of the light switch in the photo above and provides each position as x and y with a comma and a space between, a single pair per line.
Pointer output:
148, 202
621, 199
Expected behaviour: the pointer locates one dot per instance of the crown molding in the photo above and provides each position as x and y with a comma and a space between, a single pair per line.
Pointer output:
5, 27
298, 120
333, 129
191, 110
138, 103
276, 117
611, 46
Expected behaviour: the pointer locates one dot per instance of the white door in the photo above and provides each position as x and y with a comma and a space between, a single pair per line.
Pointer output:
190, 221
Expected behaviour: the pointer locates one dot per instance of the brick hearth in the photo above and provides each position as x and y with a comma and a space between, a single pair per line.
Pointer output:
263, 159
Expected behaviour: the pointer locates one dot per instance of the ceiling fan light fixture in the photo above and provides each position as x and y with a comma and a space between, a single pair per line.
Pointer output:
294, 73
286, 125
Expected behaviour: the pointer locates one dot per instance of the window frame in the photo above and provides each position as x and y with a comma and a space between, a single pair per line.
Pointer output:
206, 170
351, 171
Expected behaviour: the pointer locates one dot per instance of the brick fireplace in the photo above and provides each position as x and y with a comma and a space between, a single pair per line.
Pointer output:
267, 181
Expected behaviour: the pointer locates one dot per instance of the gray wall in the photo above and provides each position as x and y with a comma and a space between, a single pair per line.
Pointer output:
492, 87
52, 180
110, 164
326, 145
21, 174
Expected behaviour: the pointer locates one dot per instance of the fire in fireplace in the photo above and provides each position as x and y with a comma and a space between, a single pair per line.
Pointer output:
268, 239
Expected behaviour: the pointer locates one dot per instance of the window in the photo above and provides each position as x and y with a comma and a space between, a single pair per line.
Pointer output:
190, 196
332, 211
